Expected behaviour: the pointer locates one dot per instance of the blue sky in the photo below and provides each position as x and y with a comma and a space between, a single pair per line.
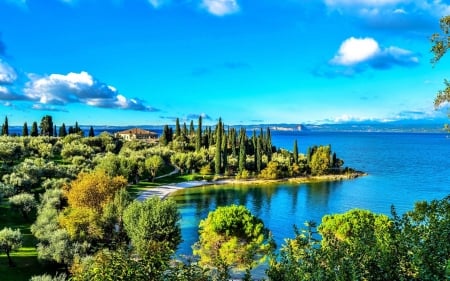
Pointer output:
121, 62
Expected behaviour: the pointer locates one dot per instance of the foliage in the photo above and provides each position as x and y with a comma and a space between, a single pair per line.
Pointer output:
10, 240
24, 202
47, 277
153, 220
93, 190
232, 236
154, 163
320, 160
422, 237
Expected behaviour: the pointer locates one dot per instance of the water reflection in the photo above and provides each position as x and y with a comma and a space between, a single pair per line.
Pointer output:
280, 206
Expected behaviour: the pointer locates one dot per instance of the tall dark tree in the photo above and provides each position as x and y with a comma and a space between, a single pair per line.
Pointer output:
184, 131
268, 144
25, 129
177, 128
258, 153
232, 140
62, 131
34, 129
46, 126
77, 129
165, 136
198, 139
5, 127
295, 152
191, 128
91, 132
224, 151
55, 133
218, 156
71, 130
242, 152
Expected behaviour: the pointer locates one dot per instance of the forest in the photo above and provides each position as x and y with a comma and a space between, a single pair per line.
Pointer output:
67, 212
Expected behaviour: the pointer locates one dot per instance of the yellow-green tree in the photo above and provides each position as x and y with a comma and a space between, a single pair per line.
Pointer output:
232, 237
93, 190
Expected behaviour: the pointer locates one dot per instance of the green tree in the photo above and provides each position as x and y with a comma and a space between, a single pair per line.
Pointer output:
166, 136
153, 220
62, 131
25, 129
258, 152
5, 127
358, 245
46, 126
10, 240
422, 237
191, 128
91, 132
153, 164
177, 128
23, 202
320, 160
242, 151
218, 155
295, 152
34, 130
232, 237
198, 139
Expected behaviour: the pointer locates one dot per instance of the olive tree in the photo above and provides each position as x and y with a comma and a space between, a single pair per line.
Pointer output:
10, 240
24, 202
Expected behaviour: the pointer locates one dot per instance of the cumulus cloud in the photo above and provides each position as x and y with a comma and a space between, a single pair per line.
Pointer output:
7, 74
220, 7
356, 50
356, 55
58, 89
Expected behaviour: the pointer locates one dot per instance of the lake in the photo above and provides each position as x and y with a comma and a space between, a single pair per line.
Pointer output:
402, 168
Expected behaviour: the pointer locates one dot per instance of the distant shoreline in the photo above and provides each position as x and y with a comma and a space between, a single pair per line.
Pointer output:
165, 191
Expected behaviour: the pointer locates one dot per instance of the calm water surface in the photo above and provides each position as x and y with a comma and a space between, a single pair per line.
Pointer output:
403, 168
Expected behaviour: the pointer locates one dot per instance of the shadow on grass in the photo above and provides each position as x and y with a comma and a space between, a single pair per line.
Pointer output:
26, 266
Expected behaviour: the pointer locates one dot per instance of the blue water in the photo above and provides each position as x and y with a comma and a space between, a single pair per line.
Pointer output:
402, 168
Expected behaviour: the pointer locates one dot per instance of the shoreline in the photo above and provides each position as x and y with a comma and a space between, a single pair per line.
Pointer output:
166, 190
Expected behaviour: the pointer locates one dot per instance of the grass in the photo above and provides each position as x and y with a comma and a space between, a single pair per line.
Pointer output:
25, 259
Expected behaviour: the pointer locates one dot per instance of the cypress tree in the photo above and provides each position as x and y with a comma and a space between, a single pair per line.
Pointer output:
5, 127
55, 134
46, 126
242, 154
191, 128
77, 129
62, 131
91, 132
25, 129
258, 154
268, 144
232, 140
198, 139
177, 128
295, 152
184, 132
71, 130
218, 156
224, 150
34, 129
165, 138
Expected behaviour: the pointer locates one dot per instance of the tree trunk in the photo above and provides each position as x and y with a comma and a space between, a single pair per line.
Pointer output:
10, 262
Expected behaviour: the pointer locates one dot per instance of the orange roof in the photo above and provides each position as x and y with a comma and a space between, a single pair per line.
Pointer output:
136, 131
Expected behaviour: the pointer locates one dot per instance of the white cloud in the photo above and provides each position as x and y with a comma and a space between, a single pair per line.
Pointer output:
58, 89
221, 7
158, 3
356, 50
7, 73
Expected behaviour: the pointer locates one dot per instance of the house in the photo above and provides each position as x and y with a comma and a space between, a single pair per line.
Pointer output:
137, 134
